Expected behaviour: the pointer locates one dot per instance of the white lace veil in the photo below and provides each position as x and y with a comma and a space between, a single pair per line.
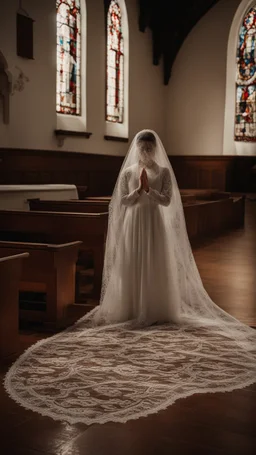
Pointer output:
196, 305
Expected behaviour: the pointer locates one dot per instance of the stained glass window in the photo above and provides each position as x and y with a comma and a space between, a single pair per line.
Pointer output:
68, 57
115, 65
245, 121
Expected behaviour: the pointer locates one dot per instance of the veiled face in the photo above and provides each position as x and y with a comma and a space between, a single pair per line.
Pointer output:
146, 152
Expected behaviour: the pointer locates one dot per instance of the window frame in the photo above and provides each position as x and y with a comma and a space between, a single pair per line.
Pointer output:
114, 129
71, 122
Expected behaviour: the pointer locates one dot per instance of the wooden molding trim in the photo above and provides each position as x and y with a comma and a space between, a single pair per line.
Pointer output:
11, 151
84, 134
183, 158
116, 138
219, 158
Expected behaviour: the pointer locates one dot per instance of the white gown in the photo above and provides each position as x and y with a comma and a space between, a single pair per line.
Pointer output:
143, 286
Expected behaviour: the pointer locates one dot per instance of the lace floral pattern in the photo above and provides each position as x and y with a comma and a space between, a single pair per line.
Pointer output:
120, 372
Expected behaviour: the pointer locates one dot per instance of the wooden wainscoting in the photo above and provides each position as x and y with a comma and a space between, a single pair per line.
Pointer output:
203, 171
227, 173
99, 172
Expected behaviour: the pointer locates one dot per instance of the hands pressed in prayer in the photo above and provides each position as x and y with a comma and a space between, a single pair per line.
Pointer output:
144, 181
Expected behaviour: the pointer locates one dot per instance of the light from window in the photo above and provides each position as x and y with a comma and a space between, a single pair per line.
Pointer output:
245, 121
115, 65
68, 90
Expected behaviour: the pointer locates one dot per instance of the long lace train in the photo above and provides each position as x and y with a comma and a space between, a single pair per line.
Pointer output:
122, 372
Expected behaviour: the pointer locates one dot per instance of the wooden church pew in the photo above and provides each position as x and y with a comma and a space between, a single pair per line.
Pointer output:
57, 227
187, 196
87, 205
98, 198
79, 206
95, 204
203, 219
209, 215
211, 218
48, 273
10, 273
99, 204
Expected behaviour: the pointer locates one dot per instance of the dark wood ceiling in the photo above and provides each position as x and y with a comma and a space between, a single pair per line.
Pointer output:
170, 22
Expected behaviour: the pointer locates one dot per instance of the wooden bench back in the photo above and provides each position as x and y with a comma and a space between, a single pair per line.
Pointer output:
52, 227
77, 206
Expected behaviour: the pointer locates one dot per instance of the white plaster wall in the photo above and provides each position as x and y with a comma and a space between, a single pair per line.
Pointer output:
196, 92
32, 111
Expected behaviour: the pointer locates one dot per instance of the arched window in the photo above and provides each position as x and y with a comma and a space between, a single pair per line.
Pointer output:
245, 117
115, 65
68, 92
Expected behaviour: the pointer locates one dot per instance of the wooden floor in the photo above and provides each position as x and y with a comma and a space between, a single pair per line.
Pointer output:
227, 267
209, 424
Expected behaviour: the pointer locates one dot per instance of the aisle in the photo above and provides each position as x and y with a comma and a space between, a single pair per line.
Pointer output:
227, 266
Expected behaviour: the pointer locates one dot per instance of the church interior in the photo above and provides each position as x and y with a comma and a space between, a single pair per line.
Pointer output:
78, 80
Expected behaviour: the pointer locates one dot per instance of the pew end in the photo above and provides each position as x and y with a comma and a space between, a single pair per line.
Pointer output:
48, 276
10, 274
